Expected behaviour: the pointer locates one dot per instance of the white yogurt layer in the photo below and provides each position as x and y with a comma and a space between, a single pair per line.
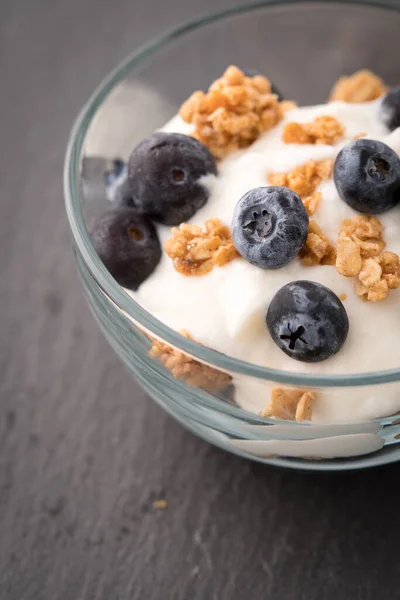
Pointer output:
226, 308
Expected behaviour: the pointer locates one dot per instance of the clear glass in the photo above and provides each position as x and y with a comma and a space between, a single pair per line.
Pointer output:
303, 47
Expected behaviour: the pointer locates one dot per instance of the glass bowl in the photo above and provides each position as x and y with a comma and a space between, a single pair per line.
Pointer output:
293, 45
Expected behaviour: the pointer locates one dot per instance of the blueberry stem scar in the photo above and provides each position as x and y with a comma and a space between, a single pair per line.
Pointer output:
379, 168
294, 336
260, 225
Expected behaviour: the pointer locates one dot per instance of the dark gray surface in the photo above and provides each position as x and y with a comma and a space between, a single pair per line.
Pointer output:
80, 461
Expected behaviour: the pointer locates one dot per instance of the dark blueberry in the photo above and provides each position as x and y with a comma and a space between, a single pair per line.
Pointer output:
307, 321
118, 166
269, 226
128, 245
274, 89
118, 189
367, 176
389, 109
122, 195
117, 169
164, 173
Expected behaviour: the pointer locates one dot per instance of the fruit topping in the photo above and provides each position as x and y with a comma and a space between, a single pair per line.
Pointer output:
389, 109
307, 321
128, 245
122, 194
115, 172
270, 226
367, 176
165, 174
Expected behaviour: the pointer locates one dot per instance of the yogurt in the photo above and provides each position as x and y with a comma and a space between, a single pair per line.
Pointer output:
225, 309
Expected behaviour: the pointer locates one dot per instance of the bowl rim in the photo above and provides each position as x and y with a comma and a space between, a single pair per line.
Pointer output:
106, 283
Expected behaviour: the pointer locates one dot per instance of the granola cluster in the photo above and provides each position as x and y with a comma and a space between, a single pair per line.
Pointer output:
233, 113
290, 404
304, 180
378, 275
323, 130
318, 250
195, 251
311, 203
362, 86
360, 254
193, 372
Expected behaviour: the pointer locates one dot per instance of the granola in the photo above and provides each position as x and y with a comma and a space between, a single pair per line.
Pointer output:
160, 504
370, 273
323, 130
311, 202
290, 404
186, 368
318, 250
375, 293
366, 231
348, 257
362, 86
390, 264
234, 112
360, 254
285, 106
196, 250
304, 180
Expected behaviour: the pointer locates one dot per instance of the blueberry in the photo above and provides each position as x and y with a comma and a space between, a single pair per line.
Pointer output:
117, 169
128, 245
389, 109
117, 186
164, 173
367, 176
274, 89
307, 321
270, 226
122, 194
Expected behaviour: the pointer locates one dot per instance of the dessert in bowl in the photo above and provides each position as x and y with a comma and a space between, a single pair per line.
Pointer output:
268, 233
